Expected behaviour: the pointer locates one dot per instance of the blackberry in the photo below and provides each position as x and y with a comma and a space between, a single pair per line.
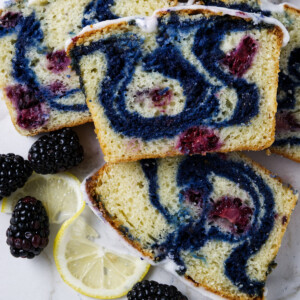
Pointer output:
14, 172
152, 290
28, 233
56, 152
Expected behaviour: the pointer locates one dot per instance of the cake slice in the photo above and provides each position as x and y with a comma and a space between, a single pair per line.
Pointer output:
183, 81
287, 139
41, 90
220, 218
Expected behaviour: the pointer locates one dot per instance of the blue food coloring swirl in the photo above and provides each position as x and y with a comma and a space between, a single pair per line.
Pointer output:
98, 11
191, 234
288, 85
238, 6
30, 34
123, 53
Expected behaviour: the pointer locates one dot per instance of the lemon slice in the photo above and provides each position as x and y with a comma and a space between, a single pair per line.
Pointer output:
91, 269
60, 194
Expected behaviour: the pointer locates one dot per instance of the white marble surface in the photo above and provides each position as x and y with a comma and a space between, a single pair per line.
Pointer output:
38, 279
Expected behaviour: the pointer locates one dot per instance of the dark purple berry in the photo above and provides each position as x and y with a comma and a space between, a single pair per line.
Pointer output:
27, 241
198, 140
14, 172
58, 61
56, 152
161, 97
10, 19
57, 88
237, 214
32, 113
33, 117
154, 290
239, 60
286, 121
284, 220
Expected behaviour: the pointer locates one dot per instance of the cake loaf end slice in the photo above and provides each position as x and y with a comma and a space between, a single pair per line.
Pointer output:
219, 218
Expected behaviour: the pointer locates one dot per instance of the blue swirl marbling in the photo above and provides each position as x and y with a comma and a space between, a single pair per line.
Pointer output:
30, 34
193, 233
123, 52
239, 6
288, 85
98, 11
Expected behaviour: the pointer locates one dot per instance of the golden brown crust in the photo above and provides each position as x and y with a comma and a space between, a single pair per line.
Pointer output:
292, 9
46, 128
280, 151
226, 295
93, 182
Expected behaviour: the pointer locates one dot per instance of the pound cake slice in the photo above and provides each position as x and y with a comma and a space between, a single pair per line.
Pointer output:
41, 90
220, 218
287, 139
184, 81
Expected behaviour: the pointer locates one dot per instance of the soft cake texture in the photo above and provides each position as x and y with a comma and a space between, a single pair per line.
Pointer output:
181, 89
41, 90
219, 217
287, 139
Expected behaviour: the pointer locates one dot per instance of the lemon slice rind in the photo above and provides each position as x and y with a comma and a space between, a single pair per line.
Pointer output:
60, 194
89, 264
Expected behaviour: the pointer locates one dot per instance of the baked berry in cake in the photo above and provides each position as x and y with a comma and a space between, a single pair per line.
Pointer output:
219, 218
41, 90
184, 81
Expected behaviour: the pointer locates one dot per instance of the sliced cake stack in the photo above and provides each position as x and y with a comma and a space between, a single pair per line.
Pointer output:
187, 81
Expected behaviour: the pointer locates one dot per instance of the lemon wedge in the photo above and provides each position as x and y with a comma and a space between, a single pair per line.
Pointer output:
90, 268
60, 194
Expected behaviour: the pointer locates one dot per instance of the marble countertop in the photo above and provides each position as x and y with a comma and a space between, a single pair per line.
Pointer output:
38, 279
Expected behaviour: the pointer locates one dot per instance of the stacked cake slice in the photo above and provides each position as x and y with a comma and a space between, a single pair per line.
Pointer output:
183, 81
186, 81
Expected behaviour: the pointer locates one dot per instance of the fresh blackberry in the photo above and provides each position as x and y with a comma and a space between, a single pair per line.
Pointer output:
28, 232
14, 172
56, 152
152, 290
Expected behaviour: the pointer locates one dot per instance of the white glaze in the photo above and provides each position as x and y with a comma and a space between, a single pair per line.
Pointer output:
7, 3
269, 6
275, 8
149, 24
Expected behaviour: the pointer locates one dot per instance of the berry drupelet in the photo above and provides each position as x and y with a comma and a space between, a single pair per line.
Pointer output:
56, 152
153, 290
14, 172
28, 232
